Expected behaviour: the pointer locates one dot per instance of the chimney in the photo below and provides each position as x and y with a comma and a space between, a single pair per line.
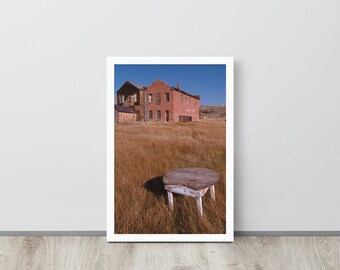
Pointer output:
178, 85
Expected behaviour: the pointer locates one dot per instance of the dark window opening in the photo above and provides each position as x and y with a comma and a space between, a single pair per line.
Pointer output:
167, 116
167, 97
158, 115
185, 118
158, 98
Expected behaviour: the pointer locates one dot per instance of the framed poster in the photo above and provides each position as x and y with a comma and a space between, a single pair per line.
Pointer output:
170, 149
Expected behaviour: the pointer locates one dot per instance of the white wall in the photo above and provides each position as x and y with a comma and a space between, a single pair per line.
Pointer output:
52, 104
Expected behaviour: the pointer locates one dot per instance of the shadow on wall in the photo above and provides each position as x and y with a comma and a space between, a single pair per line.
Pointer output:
156, 186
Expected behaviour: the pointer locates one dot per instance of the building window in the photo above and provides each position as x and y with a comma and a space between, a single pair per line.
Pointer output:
150, 115
135, 97
167, 97
129, 99
150, 98
158, 98
182, 98
167, 116
123, 99
158, 115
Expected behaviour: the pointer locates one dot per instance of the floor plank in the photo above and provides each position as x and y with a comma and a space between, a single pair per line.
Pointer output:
95, 253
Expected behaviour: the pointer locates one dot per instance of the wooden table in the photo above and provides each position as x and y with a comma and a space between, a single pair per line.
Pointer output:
193, 182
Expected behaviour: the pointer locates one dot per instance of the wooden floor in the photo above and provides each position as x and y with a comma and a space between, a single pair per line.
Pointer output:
94, 253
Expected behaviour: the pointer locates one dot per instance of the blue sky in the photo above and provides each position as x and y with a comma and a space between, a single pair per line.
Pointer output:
208, 81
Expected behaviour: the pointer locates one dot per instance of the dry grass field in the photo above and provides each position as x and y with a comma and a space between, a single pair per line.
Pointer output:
144, 153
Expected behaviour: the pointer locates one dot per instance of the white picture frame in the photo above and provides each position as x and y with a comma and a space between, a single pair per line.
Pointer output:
229, 235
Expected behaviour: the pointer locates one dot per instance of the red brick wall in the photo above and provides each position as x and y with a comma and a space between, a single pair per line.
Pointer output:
159, 87
176, 107
185, 105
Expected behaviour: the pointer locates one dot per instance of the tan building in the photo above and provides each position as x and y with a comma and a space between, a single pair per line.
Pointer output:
125, 114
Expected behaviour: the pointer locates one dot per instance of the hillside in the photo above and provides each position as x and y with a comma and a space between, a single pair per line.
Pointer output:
207, 111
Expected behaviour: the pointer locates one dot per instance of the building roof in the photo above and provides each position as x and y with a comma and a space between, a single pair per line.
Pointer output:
139, 86
143, 88
185, 93
179, 90
124, 109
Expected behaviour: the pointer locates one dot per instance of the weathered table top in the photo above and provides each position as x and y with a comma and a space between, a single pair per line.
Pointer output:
194, 178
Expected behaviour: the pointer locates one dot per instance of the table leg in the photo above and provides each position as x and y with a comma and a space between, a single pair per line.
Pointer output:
199, 206
212, 192
170, 200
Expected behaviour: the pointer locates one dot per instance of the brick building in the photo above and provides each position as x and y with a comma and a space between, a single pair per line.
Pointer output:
159, 102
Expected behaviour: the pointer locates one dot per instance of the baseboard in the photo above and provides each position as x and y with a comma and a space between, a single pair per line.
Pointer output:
287, 233
52, 233
103, 233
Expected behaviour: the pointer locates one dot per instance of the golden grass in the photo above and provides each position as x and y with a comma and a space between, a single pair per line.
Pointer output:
148, 151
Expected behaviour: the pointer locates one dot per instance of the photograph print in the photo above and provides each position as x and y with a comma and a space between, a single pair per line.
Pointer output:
170, 149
